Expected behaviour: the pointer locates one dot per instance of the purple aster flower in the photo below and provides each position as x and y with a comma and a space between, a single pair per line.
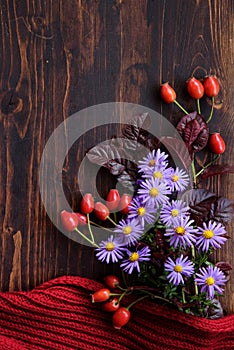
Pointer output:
210, 278
144, 212
182, 266
182, 233
110, 250
159, 172
154, 158
153, 192
210, 235
134, 258
173, 210
130, 230
179, 180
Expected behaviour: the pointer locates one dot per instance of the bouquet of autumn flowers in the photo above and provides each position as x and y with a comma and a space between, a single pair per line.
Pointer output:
165, 233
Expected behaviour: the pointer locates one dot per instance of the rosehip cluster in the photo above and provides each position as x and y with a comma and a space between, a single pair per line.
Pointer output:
111, 301
114, 202
197, 89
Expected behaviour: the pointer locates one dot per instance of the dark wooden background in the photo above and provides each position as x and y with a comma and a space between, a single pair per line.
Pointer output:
58, 57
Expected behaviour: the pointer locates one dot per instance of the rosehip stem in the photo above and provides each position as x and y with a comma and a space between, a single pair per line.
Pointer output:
194, 172
156, 296
103, 228
136, 301
198, 106
112, 221
89, 227
179, 105
194, 257
208, 164
86, 238
123, 294
211, 111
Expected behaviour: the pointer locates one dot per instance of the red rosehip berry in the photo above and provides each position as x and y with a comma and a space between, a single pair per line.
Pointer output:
69, 220
87, 204
101, 295
124, 203
112, 199
82, 219
111, 305
101, 211
111, 281
168, 94
216, 143
195, 88
211, 86
121, 317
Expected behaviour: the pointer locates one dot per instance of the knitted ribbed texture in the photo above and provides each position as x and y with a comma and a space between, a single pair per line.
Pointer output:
59, 315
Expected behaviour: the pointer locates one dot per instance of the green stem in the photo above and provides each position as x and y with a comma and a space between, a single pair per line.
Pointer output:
179, 105
183, 296
112, 221
103, 228
86, 238
90, 230
198, 106
211, 111
208, 164
122, 295
194, 172
194, 257
156, 296
115, 217
136, 301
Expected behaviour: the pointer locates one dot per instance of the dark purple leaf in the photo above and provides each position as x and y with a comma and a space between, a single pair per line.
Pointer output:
217, 169
200, 202
215, 311
223, 210
105, 152
224, 266
137, 135
205, 206
194, 131
177, 148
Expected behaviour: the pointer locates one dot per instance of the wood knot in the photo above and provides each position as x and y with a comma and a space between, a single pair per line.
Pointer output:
11, 103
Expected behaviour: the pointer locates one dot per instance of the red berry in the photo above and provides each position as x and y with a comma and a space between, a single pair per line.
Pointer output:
111, 281
195, 88
216, 143
112, 199
211, 86
101, 211
168, 94
111, 305
121, 317
101, 295
69, 220
87, 204
125, 200
82, 219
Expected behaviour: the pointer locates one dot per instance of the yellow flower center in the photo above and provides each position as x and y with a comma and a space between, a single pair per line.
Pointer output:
134, 257
153, 192
180, 230
208, 234
152, 162
174, 212
110, 246
210, 281
178, 268
141, 211
175, 178
127, 230
158, 175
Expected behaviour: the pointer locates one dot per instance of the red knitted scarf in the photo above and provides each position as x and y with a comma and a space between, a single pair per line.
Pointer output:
59, 315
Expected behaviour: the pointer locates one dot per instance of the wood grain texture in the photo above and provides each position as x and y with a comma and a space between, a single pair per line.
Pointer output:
58, 57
